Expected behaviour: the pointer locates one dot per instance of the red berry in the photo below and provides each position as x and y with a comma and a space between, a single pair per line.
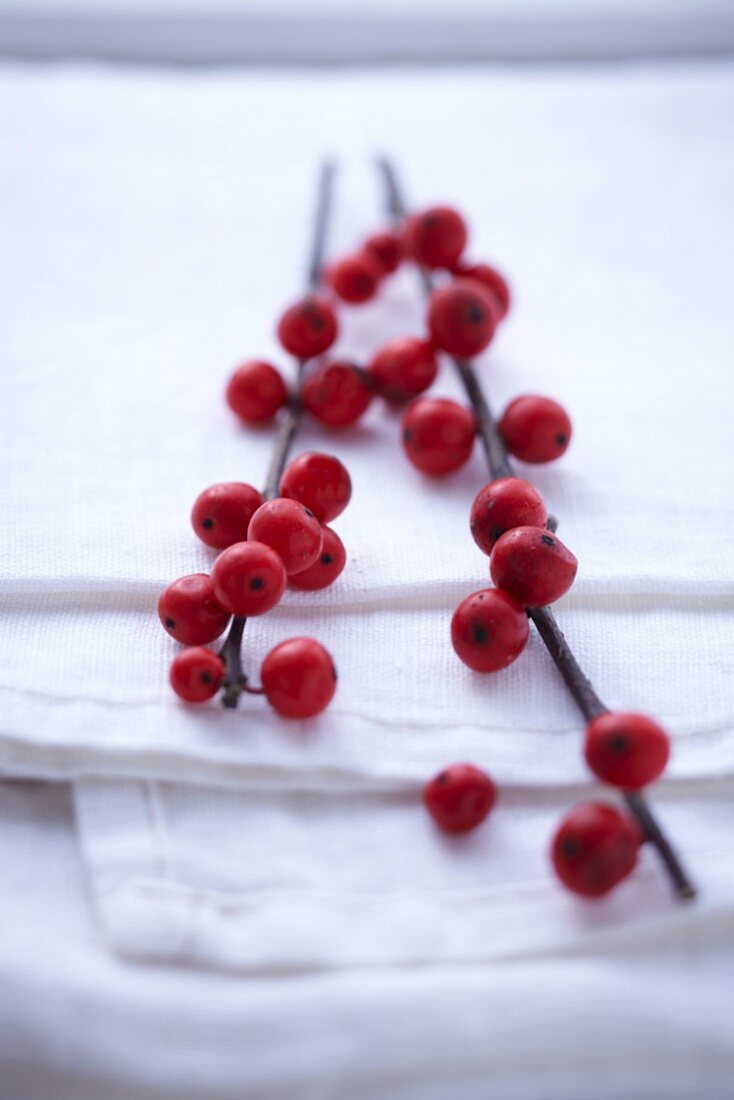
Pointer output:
595, 848
299, 678
403, 368
532, 565
309, 327
492, 280
256, 391
249, 578
354, 278
626, 750
438, 435
489, 630
535, 429
460, 797
190, 610
336, 394
327, 567
291, 529
435, 237
320, 482
505, 503
462, 317
386, 250
196, 674
221, 513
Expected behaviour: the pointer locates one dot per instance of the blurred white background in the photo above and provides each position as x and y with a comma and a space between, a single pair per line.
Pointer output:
347, 31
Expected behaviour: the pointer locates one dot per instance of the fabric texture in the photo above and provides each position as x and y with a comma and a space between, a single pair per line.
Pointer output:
150, 237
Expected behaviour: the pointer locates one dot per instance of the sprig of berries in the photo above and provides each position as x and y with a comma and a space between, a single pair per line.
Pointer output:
596, 845
266, 540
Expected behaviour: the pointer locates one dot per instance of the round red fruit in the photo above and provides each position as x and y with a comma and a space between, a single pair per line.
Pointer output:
336, 394
249, 578
533, 566
309, 327
319, 481
403, 368
626, 750
535, 429
327, 567
503, 504
299, 678
256, 391
386, 250
436, 237
292, 531
355, 278
196, 674
462, 317
191, 611
489, 630
460, 797
492, 280
438, 435
595, 848
221, 513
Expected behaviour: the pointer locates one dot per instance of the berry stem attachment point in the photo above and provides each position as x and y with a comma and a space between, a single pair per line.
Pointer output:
555, 642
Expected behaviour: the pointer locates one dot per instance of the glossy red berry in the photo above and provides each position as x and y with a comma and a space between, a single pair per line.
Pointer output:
492, 280
489, 630
190, 610
436, 237
299, 678
336, 394
291, 529
256, 391
354, 278
309, 327
438, 435
196, 674
503, 504
535, 429
221, 513
386, 250
319, 481
403, 368
462, 317
327, 567
595, 848
533, 566
627, 750
249, 578
460, 797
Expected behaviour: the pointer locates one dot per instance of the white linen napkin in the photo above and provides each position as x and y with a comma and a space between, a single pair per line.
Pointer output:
154, 226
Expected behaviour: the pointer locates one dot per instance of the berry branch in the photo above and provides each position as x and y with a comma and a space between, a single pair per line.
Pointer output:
558, 648
235, 681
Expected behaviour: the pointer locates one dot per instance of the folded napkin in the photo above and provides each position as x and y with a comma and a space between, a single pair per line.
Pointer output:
154, 225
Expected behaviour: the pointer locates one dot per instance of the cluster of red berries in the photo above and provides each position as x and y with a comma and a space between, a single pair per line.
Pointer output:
264, 544
596, 845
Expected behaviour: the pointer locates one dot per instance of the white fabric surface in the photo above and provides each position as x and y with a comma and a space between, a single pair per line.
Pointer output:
616, 1015
153, 225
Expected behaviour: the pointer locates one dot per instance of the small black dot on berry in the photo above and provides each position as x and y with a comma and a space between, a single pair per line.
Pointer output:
618, 743
333, 672
206, 678
479, 633
256, 583
475, 314
442, 777
326, 559
496, 532
207, 523
561, 439
309, 513
547, 540
570, 847
170, 623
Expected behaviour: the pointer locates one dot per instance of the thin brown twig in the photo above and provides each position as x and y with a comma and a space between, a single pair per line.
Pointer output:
555, 642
